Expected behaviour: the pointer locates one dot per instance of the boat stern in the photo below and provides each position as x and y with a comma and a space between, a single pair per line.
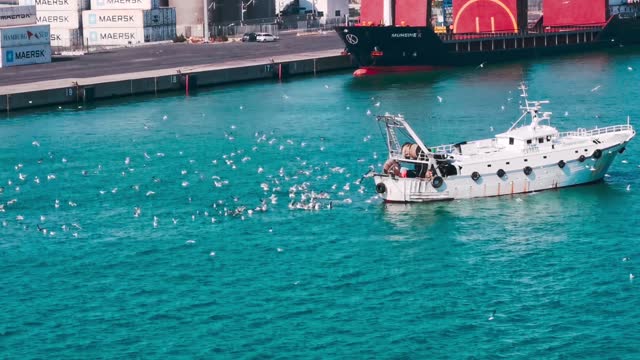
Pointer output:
397, 189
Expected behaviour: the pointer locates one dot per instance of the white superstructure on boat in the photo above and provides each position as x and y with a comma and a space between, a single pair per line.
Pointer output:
528, 157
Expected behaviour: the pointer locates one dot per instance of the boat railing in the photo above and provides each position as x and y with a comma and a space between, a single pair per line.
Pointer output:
443, 148
510, 34
596, 131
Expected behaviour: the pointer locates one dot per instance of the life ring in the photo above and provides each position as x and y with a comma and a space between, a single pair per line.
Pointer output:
561, 164
437, 182
475, 176
527, 170
581, 158
622, 149
501, 173
597, 154
381, 188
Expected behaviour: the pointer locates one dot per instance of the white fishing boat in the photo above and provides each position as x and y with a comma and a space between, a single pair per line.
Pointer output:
530, 156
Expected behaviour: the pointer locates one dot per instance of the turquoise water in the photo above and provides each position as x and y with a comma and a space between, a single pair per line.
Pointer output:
195, 275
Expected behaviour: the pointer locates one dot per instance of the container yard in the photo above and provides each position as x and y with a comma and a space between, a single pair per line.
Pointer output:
129, 26
22, 41
65, 19
79, 24
118, 23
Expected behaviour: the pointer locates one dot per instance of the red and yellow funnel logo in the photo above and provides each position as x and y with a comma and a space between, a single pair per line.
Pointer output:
485, 16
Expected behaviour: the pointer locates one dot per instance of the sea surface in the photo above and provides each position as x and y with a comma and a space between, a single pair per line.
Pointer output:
171, 227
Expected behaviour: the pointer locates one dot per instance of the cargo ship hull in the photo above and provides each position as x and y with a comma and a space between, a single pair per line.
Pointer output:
380, 49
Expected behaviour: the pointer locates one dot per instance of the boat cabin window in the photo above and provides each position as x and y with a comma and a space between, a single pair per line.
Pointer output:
540, 140
529, 141
510, 141
548, 137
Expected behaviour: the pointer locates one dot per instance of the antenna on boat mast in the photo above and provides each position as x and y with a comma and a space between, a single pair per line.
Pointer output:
531, 108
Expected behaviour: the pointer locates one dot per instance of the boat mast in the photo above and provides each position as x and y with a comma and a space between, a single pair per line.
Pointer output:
532, 108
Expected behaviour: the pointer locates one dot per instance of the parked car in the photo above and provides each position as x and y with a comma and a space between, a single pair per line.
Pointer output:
248, 37
265, 37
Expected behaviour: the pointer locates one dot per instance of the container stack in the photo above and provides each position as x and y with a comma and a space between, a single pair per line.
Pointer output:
22, 41
118, 23
64, 16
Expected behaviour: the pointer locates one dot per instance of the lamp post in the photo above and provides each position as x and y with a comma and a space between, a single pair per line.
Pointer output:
243, 9
206, 19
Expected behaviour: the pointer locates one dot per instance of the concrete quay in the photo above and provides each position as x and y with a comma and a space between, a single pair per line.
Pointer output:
79, 82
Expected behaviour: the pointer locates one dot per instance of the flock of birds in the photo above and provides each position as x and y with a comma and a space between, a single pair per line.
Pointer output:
234, 185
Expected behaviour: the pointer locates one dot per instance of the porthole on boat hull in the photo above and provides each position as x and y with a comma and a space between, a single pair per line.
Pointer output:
561, 164
381, 188
475, 176
581, 158
501, 173
527, 170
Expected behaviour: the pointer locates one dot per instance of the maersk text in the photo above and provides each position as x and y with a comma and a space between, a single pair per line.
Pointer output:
116, 19
29, 54
118, 36
52, 2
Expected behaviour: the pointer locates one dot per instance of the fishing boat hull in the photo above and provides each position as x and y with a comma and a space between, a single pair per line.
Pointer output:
543, 177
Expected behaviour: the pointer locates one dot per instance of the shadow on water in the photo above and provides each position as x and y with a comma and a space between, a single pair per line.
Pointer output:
405, 80
487, 74
572, 200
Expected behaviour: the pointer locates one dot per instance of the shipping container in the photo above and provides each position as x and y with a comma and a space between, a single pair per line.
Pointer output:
372, 12
412, 13
17, 15
24, 35
60, 19
124, 4
66, 38
170, 32
125, 18
169, 15
162, 16
575, 12
57, 5
113, 36
159, 33
471, 16
25, 55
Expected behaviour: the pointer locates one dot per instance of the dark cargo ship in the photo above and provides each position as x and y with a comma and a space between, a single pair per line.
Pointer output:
404, 37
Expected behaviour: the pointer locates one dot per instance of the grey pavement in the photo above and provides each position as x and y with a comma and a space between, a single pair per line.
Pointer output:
166, 56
